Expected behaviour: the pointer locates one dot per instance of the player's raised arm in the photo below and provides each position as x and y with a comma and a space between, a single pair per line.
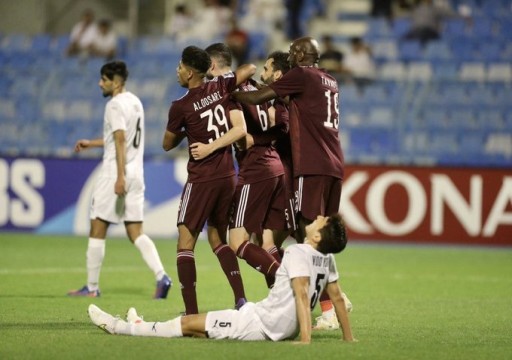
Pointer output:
334, 292
244, 73
300, 286
254, 97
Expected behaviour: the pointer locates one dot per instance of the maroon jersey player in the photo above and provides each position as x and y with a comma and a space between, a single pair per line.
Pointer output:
318, 164
260, 188
206, 114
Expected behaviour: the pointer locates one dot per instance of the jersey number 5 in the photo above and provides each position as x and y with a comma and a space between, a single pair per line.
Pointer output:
217, 121
316, 294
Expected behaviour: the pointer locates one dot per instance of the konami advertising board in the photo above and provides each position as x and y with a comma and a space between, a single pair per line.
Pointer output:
437, 205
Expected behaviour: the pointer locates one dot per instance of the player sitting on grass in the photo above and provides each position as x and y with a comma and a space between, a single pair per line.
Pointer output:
306, 270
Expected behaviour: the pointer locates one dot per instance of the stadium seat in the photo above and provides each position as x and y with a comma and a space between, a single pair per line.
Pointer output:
41, 44
377, 94
499, 72
491, 119
482, 28
16, 43
381, 116
444, 144
257, 46
464, 49
500, 145
436, 118
410, 51
7, 108
472, 148
491, 51
438, 50
463, 118
377, 28
445, 70
448, 93
419, 71
472, 71
375, 142
400, 27
454, 28
385, 50
392, 71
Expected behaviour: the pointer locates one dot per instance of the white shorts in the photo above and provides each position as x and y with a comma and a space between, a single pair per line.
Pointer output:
107, 206
243, 324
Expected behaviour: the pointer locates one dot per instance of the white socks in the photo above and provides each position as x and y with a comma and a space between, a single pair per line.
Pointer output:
150, 255
169, 329
95, 254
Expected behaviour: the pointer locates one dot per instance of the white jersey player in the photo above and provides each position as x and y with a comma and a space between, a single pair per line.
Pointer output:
304, 273
118, 194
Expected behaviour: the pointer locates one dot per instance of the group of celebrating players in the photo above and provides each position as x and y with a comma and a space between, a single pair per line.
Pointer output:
285, 136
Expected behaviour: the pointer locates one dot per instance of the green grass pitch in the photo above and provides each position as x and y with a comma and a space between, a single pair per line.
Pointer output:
410, 302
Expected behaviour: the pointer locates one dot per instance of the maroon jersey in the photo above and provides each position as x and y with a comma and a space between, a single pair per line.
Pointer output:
261, 161
203, 113
314, 120
283, 145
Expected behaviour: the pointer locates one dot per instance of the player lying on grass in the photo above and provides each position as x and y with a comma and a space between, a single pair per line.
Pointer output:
306, 270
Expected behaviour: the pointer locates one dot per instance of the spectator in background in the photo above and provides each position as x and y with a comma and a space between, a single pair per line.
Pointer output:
382, 8
426, 21
294, 27
331, 59
238, 41
181, 21
82, 34
358, 64
104, 44
210, 22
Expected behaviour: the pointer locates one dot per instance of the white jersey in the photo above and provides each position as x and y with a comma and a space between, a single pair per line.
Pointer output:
278, 311
124, 112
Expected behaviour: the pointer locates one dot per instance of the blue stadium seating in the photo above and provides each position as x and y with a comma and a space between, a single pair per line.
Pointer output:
447, 103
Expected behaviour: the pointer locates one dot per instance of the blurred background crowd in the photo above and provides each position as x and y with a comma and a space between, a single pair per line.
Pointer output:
423, 82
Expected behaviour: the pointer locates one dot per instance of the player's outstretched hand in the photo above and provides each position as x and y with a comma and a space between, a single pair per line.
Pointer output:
82, 144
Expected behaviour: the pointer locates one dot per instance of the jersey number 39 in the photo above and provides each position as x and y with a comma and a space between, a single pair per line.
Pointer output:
217, 122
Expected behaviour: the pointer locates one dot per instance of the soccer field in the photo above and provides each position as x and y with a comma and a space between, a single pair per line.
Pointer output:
410, 302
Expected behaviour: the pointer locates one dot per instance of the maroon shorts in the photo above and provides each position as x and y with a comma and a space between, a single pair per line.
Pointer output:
259, 206
317, 195
209, 200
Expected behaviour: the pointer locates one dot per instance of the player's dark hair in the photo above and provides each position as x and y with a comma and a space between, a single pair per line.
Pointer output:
334, 236
280, 61
196, 58
221, 52
113, 68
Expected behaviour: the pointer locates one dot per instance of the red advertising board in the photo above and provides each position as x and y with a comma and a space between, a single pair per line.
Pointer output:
437, 205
